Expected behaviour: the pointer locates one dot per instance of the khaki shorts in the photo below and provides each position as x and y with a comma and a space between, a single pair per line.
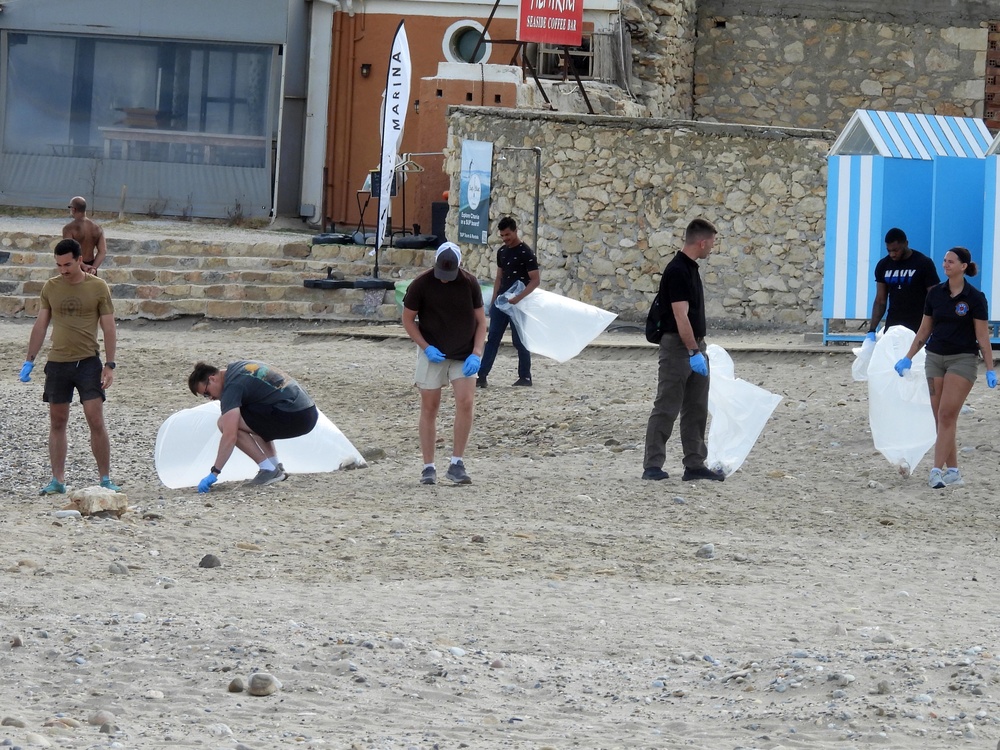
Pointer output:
938, 365
431, 376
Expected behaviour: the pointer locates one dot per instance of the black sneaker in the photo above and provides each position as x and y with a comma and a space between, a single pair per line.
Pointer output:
429, 475
703, 473
481, 382
524, 381
457, 474
655, 474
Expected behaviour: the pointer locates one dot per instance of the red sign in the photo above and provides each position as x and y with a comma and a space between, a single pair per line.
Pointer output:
556, 22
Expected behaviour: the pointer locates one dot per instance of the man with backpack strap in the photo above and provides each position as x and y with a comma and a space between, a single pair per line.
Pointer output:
683, 377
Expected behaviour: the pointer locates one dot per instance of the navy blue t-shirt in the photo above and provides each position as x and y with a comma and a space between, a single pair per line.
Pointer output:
954, 329
907, 282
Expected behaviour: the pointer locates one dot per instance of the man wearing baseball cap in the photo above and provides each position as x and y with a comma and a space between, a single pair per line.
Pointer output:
443, 314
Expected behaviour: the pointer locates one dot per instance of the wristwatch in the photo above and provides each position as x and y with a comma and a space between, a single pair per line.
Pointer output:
110, 365
215, 471
692, 352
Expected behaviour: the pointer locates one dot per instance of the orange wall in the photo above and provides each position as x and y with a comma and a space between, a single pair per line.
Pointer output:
354, 142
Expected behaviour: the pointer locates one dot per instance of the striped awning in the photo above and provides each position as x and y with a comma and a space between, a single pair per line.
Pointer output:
904, 135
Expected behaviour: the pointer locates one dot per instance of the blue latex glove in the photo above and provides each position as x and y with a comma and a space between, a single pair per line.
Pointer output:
902, 366
991, 378
699, 364
26, 368
206, 484
870, 336
471, 367
434, 354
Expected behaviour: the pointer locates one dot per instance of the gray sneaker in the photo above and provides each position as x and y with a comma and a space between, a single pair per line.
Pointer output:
267, 477
457, 474
952, 478
429, 475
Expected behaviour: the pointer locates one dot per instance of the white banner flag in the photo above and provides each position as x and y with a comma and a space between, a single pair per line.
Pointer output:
395, 102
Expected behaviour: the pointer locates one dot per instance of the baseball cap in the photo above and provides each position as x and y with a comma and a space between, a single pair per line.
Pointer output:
446, 262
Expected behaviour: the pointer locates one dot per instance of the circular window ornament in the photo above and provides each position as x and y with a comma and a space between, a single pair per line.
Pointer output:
460, 42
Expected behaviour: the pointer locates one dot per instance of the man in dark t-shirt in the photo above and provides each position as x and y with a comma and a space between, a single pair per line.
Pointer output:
260, 404
443, 315
515, 262
683, 372
902, 279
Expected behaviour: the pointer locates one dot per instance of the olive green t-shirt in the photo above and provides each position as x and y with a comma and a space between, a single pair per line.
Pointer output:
75, 309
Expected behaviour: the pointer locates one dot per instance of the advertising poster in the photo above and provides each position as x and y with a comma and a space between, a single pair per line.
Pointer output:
474, 192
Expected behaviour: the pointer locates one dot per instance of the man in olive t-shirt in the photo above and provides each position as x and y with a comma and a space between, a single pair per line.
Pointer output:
76, 304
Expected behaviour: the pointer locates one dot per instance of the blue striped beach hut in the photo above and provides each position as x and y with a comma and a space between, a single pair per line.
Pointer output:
922, 173
990, 266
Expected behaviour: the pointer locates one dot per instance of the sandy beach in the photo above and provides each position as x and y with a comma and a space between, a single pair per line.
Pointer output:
559, 601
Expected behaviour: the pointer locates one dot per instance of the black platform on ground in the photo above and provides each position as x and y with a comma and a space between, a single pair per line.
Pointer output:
416, 241
374, 284
333, 238
349, 283
328, 284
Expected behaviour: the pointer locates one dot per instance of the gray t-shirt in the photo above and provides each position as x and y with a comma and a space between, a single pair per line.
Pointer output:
249, 382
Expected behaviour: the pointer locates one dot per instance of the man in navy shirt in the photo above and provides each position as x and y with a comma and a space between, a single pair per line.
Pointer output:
515, 262
902, 279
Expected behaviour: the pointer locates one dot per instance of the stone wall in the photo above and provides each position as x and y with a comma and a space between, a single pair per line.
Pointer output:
939, 13
813, 72
617, 193
662, 35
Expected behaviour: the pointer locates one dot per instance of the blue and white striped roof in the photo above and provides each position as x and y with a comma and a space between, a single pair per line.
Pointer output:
904, 135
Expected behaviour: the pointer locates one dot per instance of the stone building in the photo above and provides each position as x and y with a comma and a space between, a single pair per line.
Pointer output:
780, 78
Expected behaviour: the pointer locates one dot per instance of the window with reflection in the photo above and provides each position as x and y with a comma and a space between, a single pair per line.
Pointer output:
147, 100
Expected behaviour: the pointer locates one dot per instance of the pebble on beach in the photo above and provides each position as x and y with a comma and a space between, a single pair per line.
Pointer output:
210, 561
262, 683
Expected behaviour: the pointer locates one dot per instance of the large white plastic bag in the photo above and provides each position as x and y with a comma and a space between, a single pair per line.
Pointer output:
739, 412
899, 409
188, 442
554, 326
862, 358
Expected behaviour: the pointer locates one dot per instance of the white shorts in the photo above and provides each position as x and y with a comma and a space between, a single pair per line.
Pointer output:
431, 376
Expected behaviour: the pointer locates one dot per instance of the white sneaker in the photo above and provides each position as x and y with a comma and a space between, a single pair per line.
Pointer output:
936, 480
952, 477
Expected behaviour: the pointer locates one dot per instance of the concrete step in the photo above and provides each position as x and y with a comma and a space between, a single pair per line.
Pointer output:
114, 275
335, 308
233, 253
392, 266
162, 279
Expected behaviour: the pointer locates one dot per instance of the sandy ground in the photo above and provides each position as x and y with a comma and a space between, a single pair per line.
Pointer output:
557, 602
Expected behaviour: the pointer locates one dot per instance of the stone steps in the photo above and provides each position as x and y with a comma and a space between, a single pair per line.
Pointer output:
163, 279
114, 274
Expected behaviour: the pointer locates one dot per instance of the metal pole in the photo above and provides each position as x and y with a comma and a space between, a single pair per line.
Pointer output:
538, 188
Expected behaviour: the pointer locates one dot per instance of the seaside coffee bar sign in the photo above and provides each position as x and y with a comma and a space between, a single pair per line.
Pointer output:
555, 22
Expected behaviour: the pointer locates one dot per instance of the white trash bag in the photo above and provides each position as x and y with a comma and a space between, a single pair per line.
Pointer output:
739, 412
188, 442
899, 409
862, 358
554, 326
